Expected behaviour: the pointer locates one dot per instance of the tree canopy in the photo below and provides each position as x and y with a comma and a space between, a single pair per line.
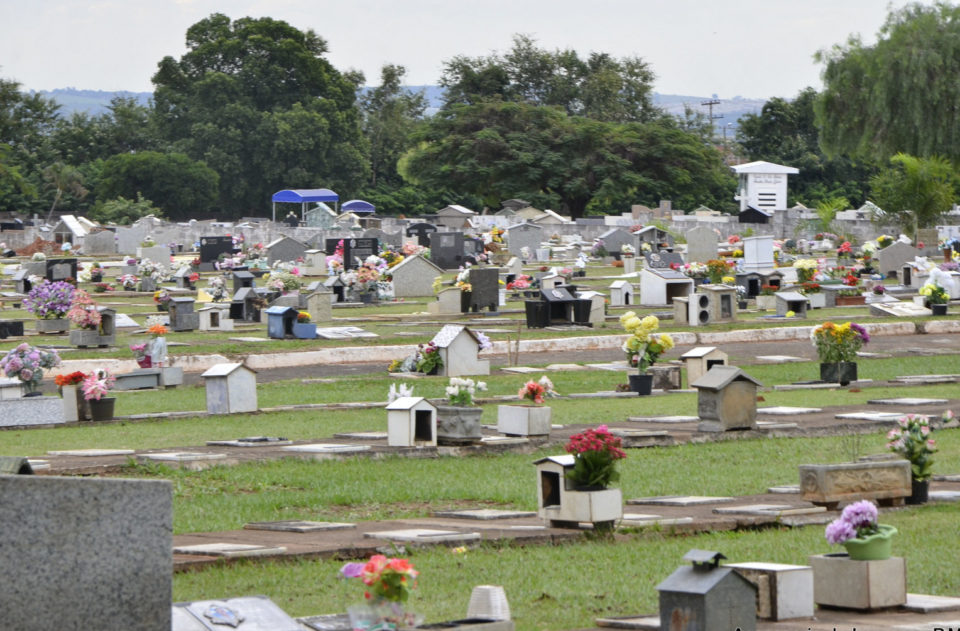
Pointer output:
914, 191
599, 87
899, 95
257, 102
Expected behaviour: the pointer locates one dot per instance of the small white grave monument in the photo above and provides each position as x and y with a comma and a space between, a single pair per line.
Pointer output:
560, 505
621, 293
458, 348
411, 422
231, 388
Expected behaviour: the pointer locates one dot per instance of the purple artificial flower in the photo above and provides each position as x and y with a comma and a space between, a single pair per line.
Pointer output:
839, 531
352, 570
26, 374
862, 332
862, 514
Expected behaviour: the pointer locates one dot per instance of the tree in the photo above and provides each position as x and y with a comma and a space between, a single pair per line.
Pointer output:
257, 102
123, 211
785, 132
600, 87
497, 150
914, 191
390, 114
898, 95
182, 188
63, 178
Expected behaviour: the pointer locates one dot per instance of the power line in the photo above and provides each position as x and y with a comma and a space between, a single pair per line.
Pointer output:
710, 103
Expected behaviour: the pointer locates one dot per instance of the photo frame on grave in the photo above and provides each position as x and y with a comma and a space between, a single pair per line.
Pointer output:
61, 269
663, 260
212, 247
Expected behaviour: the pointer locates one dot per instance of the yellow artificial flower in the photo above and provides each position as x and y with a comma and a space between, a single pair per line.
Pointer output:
651, 322
626, 316
666, 341
632, 324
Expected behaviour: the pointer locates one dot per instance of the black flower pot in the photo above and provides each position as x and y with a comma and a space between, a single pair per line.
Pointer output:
939, 310
920, 492
641, 384
838, 372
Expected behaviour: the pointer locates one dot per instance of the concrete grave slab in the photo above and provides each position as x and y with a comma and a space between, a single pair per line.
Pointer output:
182, 456
870, 416
633, 519
945, 496
92, 453
566, 367
123, 321
925, 603
504, 440
413, 535
526, 527
522, 370
362, 435
613, 367
326, 448
663, 419
867, 355
485, 514
907, 401
681, 500
772, 425
38, 465
780, 359
638, 433
608, 394
254, 613
253, 441
298, 525
784, 489
230, 550
750, 508
787, 410
249, 339
641, 623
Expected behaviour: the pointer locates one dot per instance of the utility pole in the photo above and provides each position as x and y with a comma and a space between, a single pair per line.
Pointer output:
710, 103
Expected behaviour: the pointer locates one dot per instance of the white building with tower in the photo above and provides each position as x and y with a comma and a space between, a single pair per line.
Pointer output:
762, 185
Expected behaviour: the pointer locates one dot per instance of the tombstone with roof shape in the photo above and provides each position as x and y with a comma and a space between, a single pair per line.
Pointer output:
245, 305
422, 232
215, 317
705, 596
891, 259
615, 238
726, 399
701, 359
484, 292
182, 315
514, 267
524, 235
100, 242
598, 304
104, 335
96, 553
411, 422
562, 505
791, 301
284, 249
315, 263
459, 348
21, 280
449, 301
280, 321
413, 277
446, 249
319, 304
182, 277
243, 278
231, 388
210, 250
659, 285
337, 287
701, 245
621, 293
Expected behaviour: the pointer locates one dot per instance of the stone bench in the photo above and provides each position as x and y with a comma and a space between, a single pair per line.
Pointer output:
147, 378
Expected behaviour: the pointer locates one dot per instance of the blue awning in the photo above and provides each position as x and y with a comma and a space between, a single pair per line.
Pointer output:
358, 206
299, 196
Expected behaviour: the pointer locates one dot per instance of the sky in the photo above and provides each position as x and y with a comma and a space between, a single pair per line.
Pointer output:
748, 48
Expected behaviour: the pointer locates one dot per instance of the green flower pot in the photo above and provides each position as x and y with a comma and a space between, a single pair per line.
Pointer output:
872, 547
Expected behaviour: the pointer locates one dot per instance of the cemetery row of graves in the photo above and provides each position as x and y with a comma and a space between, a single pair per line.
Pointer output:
332, 449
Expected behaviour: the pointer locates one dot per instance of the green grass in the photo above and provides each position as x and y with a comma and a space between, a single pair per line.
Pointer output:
568, 586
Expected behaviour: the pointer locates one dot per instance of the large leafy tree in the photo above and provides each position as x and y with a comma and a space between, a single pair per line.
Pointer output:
497, 150
599, 87
182, 188
915, 191
257, 102
899, 95
785, 132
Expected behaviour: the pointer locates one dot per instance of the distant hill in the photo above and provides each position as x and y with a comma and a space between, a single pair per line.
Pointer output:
95, 102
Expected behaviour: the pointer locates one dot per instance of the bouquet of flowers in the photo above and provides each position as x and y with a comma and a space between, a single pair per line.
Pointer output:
536, 391
460, 391
84, 312
599, 249
694, 269
644, 346
27, 364
521, 282
428, 358
595, 452
49, 300
149, 269
857, 520
217, 288
100, 288
463, 280
303, 317
839, 342
911, 439
627, 250
139, 351
806, 268
129, 281
72, 379
389, 584
162, 298
936, 294
97, 384
366, 277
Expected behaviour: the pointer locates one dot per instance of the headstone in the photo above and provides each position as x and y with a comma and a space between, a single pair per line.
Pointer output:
514, 267
411, 422
660, 286
446, 249
319, 305
215, 317
707, 596
100, 242
21, 412
285, 249
211, 248
354, 250
243, 279
929, 237
701, 245
182, 316
422, 232
459, 347
157, 253
758, 253
891, 259
485, 290
621, 293
182, 277
701, 359
726, 399
61, 269
95, 553
616, 238
231, 388
413, 277
524, 235
788, 301
448, 301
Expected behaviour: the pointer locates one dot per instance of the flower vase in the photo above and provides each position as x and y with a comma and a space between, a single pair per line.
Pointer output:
458, 425
874, 547
939, 310
74, 405
145, 361
31, 389
382, 615
838, 372
920, 492
102, 409
641, 384
524, 420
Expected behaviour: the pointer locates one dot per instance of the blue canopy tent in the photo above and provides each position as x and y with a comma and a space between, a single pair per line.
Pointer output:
303, 196
358, 206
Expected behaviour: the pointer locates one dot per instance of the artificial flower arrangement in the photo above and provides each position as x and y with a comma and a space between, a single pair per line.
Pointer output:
692, 269
49, 300
150, 269
399, 392
139, 351
27, 364
38, 256
303, 317
911, 439
806, 268
100, 288
283, 281
217, 288
728, 280
460, 391
71, 379
627, 250
537, 391
879, 290
83, 312
884, 241
521, 282
157, 330
717, 269
595, 454
935, 294
845, 250
389, 583
162, 298
857, 530
428, 358
129, 281
810, 288
97, 384
839, 342
598, 250
463, 280
645, 345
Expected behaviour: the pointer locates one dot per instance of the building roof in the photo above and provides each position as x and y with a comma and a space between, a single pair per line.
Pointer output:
566, 460
222, 370
407, 262
690, 580
408, 403
719, 377
301, 195
449, 333
761, 166
700, 351
463, 210
790, 296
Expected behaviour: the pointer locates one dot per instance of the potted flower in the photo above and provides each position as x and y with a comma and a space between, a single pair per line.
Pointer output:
84, 314
857, 530
428, 359
303, 328
937, 297
389, 584
162, 299
814, 294
458, 421
837, 346
217, 288
100, 288
529, 419
643, 348
27, 364
806, 269
96, 272
911, 439
129, 282
158, 345
141, 355
595, 454
50, 302
96, 385
74, 405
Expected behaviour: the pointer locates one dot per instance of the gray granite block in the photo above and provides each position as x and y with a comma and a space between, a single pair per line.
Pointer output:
92, 553
31, 411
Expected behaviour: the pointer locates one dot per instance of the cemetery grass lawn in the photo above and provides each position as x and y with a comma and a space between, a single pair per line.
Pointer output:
227, 497
567, 586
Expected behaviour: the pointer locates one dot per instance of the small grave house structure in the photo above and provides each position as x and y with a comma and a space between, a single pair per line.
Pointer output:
726, 399
231, 388
705, 596
411, 422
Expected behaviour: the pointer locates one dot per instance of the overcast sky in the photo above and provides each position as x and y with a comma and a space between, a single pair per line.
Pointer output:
750, 48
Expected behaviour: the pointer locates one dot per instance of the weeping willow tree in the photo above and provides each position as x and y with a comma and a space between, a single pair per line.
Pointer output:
899, 95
